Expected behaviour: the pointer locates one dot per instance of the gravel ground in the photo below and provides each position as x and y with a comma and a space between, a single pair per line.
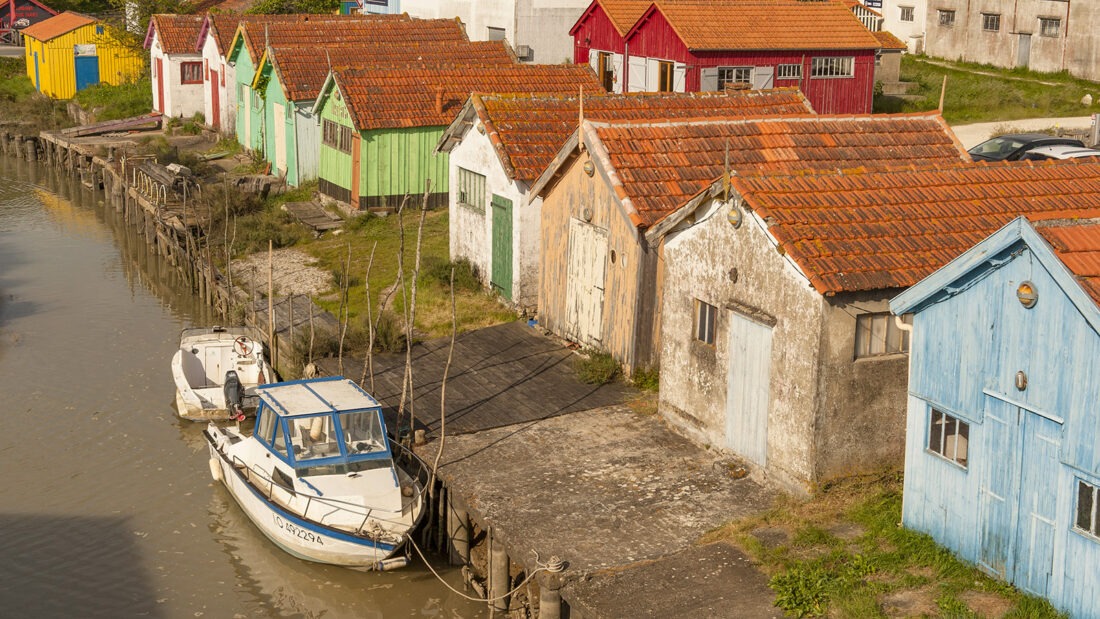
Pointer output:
294, 273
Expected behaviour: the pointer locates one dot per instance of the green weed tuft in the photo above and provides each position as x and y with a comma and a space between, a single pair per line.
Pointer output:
596, 367
647, 379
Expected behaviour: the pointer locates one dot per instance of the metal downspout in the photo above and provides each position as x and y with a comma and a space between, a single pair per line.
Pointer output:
901, 324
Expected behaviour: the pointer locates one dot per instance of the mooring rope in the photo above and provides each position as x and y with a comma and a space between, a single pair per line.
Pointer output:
553, 566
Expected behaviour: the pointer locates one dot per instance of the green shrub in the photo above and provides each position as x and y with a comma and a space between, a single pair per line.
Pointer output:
115, 102
647, 379
437, 270
389, 336
596, 367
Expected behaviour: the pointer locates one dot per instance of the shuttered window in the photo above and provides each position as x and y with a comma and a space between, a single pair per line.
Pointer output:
190, 72
734, 76
1088, 509
949, 437
833, 66
470, 189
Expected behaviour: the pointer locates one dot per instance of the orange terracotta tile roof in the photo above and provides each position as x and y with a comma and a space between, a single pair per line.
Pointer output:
57, 25
662, 165
887, 40
302, 70
527, 131
260, 31
624, 13
764, 25
430, 95
222, 28
858, 230
177, 33
1077, 245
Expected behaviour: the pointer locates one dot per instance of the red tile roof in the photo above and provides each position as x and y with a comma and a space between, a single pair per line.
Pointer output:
887, 40
222, 28
527, 131
661, 166
302, 70
430, 95
177, 33
1077, 245
624, 13
57, 25
763, 25
857, 230
260, 31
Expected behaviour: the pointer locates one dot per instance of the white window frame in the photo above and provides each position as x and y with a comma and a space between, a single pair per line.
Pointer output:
788, 72
705, 323
833, 67
878, 335
728, 76
1050, 26
991, 22
1092, 527
470, 189
906, 14
947, 434
946, 18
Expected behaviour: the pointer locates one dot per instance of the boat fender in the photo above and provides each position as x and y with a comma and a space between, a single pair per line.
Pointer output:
392, 563
216, 469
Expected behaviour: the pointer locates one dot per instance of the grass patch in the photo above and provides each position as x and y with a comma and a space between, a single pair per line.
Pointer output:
647, 379
596, 367
114, 102
22, 105
1004, 95
843, 554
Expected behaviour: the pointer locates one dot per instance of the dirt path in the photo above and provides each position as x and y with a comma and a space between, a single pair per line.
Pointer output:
293, 273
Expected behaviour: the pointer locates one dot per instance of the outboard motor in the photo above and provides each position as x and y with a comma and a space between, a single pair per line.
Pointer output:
234, 394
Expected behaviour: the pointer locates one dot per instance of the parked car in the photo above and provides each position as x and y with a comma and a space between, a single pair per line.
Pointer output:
1012, 146
1058, 151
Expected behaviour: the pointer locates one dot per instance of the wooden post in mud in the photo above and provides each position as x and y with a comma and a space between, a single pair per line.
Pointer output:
499, 577
458, 531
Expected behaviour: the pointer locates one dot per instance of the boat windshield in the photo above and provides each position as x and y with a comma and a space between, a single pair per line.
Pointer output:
363, 432
313, 437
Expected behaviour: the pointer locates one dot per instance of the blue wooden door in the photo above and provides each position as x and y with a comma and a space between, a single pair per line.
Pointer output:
87, 71
1040, 439
501, 276
998, 488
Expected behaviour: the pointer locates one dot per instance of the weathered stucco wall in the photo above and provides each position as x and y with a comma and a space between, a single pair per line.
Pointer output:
544, 25
860, 424
700, 263
180, 100
577, 196
471, 229
223, 87
910, 32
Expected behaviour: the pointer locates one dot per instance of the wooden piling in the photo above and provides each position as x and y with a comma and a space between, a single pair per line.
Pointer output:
499, 577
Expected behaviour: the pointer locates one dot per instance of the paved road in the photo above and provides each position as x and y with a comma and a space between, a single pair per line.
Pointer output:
974, 134
8, 51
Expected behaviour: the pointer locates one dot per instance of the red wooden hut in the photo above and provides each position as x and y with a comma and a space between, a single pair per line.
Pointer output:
686, 46
16, 15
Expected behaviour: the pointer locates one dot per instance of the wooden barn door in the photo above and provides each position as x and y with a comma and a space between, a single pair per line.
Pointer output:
160, 86
501, 277
1038, 503
278, 122
998, 487
750, 362
585, 282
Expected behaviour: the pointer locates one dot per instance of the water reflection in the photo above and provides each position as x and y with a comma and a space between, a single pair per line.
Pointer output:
107, 491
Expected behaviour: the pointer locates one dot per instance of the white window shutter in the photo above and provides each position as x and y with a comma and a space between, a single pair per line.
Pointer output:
679, 77
617, 68
653, 75
594, 59
708, 79
637, 77
763, 77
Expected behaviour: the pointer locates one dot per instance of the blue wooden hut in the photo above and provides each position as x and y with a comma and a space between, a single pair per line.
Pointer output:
1002, 461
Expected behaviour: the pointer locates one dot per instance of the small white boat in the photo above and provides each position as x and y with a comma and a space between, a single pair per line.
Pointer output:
318, 477
217, 370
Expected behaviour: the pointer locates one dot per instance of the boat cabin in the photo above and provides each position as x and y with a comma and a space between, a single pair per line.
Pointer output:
323, 426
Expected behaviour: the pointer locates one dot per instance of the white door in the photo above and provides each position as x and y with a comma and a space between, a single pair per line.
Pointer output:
585, 284
279, 121
750, 361
246, 110
636, 80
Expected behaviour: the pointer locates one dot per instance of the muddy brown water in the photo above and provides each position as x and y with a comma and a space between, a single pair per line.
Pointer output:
107, 508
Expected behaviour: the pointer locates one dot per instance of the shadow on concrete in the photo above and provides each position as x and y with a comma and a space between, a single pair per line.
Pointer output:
62, 566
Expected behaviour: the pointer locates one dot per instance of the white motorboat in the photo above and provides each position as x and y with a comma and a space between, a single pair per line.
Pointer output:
318, 476
217, 370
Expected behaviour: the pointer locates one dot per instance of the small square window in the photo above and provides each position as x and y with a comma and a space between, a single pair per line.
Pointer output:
190, 72
949, 437
495, 34
833, 66
1088, 506
991, 22
470, 189
1050, 26
906, 13
878, 334
947, 18
706, 319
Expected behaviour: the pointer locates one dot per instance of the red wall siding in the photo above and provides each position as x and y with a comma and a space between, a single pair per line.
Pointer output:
655, 38
595, 31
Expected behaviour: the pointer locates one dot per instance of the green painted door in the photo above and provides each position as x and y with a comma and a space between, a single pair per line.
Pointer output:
501, 277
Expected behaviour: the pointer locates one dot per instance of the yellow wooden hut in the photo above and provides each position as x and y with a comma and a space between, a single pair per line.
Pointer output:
70, 52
